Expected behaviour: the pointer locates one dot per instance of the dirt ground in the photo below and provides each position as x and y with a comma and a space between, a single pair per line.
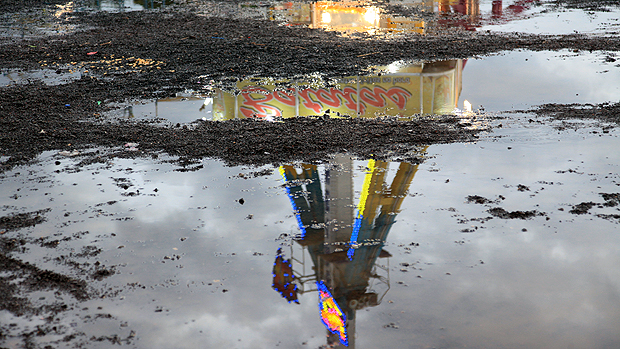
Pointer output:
195, 49
135, 59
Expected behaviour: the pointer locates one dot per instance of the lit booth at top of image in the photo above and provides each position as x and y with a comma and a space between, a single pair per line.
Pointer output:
364, 16
344, 238
359, 16
342, 16
403, 91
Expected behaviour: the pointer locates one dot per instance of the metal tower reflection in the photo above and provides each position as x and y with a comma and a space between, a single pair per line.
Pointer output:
344, 240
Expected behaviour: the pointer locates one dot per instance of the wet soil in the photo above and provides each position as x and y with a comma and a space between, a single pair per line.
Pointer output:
606, 112
135, 59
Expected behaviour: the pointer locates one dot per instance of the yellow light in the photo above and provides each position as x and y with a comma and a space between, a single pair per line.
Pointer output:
326, 17
372, 15
467, 106
62, 9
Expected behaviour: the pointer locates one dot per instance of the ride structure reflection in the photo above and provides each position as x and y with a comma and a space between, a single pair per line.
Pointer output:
404, 90
344, 241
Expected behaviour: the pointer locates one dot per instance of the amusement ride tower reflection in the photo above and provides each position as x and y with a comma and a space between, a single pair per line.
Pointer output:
344, 240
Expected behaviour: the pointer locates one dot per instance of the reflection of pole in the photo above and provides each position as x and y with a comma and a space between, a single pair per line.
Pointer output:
497, 8
339, 203
128, 112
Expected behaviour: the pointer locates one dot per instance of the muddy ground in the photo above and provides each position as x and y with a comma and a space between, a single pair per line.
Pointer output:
190, 51
135, 59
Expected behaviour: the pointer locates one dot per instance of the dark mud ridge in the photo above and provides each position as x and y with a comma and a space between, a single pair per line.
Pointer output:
606, 112
25, 134
20, 278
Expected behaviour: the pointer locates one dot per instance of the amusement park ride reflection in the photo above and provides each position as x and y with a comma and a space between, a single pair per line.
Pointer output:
402, 89
344, 240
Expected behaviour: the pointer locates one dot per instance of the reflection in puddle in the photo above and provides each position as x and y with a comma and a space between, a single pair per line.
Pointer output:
47, 76
421, 16
125, 5
181, 109
349, 17
406, 90
395, 253
515, 80
345, 240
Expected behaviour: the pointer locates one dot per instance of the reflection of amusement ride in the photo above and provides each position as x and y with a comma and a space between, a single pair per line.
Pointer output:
344, 240
405, 90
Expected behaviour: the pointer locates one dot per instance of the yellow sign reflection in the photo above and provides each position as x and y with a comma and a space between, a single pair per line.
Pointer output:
406, 90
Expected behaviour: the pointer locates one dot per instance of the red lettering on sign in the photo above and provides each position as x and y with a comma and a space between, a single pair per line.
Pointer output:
399, 96
308, 102
256, 107
285, 97
335, 97
372, 97
377, 97
256, 100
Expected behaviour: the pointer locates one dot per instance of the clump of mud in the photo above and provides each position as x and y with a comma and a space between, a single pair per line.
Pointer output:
502, 213
611, 200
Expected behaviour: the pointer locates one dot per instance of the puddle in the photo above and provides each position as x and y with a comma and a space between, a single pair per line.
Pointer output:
47, 76
123, 5
548, 19
375, 18
230, 256
51, 20
516, 80
401, 90
172, 110
507, 242
406, 90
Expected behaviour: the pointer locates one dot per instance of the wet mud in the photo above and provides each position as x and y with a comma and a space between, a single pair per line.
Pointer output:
124, 56
605, 112
60, 127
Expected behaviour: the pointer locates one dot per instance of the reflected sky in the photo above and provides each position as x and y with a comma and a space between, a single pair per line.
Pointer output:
525, 79
122, 5
194, 265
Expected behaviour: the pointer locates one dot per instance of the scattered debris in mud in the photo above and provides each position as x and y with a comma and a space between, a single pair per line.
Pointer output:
480, 200
21, 220
582, 208
611, 200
